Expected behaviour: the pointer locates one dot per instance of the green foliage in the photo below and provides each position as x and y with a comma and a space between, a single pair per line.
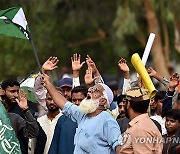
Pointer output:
61, 28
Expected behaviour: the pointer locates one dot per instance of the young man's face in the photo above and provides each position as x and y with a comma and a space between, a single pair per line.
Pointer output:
12, 93
121, 107
77, 98
153, 104
171, 124
50, 103
159, 105
66, 92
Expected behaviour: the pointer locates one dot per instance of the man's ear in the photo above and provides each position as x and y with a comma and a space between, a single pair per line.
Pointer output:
2, 92
128, 105
102, 101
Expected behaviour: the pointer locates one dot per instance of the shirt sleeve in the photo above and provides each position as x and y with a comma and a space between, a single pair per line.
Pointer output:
98, 80
112, 133
165, 82
28, 127
167, 102
126, 85
72, 111
40, 92
76, 82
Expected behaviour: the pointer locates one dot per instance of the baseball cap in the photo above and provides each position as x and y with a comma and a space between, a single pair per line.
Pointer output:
65, 82
137, 94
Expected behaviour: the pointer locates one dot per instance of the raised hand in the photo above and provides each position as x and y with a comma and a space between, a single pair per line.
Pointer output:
174, 81
50, 64
45, 79
76, 62
22, 101
123, 65
151, 72
88, 78
92, 64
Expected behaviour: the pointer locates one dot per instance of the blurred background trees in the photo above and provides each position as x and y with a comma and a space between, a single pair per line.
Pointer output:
106, 30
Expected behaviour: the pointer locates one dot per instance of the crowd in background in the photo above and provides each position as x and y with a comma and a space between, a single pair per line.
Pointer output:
94, 117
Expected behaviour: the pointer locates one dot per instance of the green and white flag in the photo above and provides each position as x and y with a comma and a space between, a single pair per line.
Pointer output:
13, 23
9, 144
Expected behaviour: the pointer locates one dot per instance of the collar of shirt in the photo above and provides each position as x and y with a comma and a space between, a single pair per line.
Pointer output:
138, 118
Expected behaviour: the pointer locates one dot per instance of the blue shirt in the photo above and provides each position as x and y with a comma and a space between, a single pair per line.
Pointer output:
94, 135
63, 138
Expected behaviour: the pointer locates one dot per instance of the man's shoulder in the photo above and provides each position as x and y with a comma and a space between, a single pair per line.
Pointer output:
44, 117
64, 121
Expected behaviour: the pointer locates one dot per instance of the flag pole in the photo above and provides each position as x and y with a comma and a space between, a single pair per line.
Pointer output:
35, 52
28, 35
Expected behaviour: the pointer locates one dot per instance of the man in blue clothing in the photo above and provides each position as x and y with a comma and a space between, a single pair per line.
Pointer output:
63, 138
97, 131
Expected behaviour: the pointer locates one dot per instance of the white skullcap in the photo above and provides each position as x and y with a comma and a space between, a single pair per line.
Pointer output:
108, 94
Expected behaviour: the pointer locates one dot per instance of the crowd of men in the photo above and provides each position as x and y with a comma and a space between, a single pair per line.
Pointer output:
94, 117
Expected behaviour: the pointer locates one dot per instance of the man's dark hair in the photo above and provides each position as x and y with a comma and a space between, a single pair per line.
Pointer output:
81, 89
9, 82
120, 98
160, 95
140, 106
173, 113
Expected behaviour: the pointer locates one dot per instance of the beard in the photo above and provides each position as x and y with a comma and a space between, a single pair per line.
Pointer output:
126, 112
88, 106
52, 108
122, 114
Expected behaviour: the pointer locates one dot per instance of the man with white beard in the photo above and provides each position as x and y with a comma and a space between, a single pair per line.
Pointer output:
97, 132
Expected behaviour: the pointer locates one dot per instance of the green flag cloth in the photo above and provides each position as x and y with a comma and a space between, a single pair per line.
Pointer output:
13, 23
9, 144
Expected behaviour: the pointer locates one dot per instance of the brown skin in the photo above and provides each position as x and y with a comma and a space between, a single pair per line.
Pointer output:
77, 98
61, 100
130, 112
121, 108
76, 64
66, 91
53, 109
124, 67
12, 93
172, 125
159, 107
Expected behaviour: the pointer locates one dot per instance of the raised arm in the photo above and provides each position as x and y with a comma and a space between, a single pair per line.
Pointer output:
88, 77
76, 66
39, 90
125, 69
167, 102
164, 81
95, 72
154, 74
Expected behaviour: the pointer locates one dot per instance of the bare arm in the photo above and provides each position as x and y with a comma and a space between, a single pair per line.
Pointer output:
95, 72
124, 67
154, 74
56, 96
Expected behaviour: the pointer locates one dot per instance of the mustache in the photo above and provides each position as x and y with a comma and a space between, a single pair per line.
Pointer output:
122, 113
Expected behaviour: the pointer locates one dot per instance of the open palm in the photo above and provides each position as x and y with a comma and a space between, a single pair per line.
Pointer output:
50, 64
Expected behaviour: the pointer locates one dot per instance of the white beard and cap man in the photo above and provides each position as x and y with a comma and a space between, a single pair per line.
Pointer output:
90, 105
